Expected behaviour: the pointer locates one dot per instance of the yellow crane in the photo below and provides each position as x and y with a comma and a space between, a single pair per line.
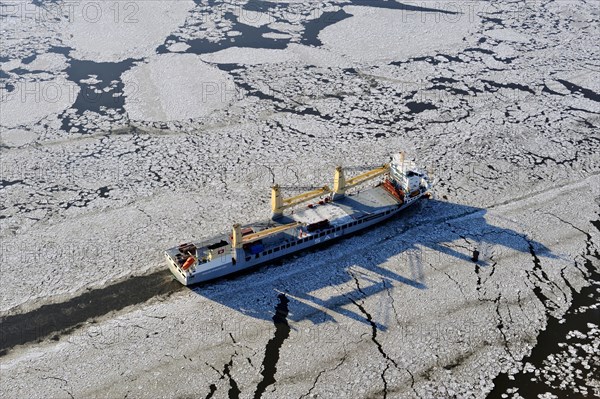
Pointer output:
278, 203
238, 240
341, 184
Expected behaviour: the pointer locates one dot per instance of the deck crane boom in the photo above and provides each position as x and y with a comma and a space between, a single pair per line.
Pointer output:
278, 204
238, 240
341, 184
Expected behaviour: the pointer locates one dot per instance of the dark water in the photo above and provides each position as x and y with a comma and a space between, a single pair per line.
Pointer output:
251, 37
577, 317
418, 107
282, 332
88, 99
310, 37
57, 319
575, 89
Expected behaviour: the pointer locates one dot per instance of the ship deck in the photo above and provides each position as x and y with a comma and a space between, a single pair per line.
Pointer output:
350, 207
346, 209
201, 246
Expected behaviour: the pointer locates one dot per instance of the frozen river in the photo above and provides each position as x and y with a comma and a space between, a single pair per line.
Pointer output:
127, 127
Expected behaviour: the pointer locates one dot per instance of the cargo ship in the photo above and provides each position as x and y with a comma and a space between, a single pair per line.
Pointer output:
303, 221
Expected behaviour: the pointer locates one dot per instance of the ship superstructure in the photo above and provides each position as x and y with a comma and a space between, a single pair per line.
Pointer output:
331, 214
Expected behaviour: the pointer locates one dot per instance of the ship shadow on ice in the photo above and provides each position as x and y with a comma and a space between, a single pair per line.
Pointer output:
357, 267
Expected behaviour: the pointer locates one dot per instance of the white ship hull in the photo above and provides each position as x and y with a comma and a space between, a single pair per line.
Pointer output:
225, 265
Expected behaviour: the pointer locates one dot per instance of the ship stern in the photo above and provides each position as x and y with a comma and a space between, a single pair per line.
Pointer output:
181, 275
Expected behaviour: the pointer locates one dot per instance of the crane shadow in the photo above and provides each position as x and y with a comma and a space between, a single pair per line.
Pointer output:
358, 266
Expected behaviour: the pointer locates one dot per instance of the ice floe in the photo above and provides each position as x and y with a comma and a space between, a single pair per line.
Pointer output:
395, 34
176, 86
114, 31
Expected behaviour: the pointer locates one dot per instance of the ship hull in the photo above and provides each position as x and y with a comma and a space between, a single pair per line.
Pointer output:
249, 262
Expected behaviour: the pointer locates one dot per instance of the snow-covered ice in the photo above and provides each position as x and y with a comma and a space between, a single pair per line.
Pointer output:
176, 86
33, 99
114, 31
173, 127
396, 34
